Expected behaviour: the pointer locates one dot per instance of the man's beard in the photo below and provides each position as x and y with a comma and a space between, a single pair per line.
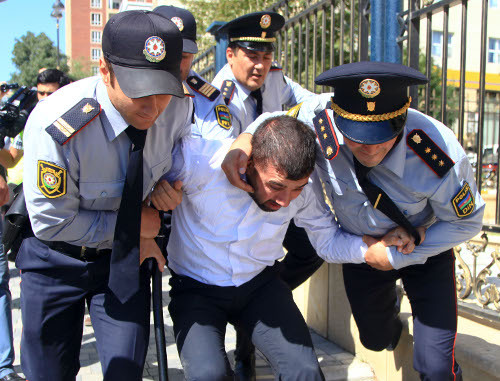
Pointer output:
252, 195
262, 206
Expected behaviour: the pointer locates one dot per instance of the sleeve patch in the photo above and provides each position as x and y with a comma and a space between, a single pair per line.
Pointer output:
204, 88
51, 179
429, 152
73, 120
294, 111
227, 90
223, 116
326, 135
463, 202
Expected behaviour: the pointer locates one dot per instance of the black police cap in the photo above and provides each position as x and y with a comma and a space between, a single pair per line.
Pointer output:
254, 31
145, 51
185, 22
370, 98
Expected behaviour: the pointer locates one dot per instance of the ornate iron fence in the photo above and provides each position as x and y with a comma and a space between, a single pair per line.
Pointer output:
322, 34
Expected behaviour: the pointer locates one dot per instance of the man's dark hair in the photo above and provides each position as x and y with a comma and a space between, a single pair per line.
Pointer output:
286, 143
53, 76
233, 46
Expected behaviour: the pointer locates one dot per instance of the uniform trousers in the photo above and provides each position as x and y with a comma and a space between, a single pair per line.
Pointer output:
262, 307
6, 340
431, 291
299, 264
54, 290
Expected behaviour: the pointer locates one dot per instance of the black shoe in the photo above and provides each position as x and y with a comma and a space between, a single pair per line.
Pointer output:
395, 339
12, 377
244, 370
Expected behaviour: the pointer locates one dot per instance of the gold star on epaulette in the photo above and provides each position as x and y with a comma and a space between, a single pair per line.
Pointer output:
427, 150
441, 163
87, 108
417, 139
434, 157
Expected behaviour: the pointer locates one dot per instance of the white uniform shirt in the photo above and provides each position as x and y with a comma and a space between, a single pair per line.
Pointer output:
221, 237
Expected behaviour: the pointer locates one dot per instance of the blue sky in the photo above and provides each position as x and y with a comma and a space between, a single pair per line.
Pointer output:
21, 16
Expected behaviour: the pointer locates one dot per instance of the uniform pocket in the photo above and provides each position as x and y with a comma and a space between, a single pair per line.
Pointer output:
101, 196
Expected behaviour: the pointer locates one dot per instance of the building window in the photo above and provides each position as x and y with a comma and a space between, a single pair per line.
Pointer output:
437, 44
114, 4
495, 4
96, 37
95, 19
96, 54
494, 50
95, 70
95, 4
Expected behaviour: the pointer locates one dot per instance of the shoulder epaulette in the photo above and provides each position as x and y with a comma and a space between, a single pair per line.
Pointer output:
187, 93
275, 66
294, 111
326, 135
429, 152
73, 120
204, 88
227, 90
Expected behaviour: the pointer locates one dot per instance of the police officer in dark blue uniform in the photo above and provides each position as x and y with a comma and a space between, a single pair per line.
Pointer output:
94, 149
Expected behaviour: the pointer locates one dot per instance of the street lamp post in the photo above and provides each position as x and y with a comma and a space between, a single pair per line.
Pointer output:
58, 9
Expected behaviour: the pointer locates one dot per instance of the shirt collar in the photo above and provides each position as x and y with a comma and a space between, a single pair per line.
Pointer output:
113, 122
395, 159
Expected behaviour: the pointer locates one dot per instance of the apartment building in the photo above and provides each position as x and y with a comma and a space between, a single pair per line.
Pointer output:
85, 20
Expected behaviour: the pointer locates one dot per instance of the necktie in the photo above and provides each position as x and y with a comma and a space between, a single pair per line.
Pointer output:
381, 201
257, 94
124, 268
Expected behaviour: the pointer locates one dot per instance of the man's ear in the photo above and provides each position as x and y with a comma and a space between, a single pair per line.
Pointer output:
230, 55
104, 71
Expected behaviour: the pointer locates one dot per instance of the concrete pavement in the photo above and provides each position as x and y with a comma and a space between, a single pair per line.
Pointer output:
336, 363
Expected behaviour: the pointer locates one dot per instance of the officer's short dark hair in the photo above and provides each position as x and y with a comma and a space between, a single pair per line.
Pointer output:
53, 76
233, 46
286, 143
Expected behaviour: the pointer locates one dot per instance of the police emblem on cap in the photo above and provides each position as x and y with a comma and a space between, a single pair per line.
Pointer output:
154, 49
178, 21
369, 88
51, 179
265, 21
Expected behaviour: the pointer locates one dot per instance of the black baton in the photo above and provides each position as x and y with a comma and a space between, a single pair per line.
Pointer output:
161, 345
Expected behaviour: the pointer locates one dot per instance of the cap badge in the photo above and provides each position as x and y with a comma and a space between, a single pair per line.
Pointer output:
178, 21
265, 21
369, 88
154, 49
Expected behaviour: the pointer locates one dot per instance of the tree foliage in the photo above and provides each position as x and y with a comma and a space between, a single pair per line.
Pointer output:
208, 11
32, 53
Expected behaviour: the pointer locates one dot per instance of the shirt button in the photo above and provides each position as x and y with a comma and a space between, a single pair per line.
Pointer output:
104, 194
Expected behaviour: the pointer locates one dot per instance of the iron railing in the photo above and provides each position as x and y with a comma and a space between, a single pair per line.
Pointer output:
319, 35
204, 64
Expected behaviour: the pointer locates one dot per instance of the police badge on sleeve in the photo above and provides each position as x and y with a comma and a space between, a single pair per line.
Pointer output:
463, 202
51, 179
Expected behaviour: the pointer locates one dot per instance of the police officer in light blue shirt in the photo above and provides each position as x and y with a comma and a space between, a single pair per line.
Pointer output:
209, 113
78, 156
386, 165
250, 83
